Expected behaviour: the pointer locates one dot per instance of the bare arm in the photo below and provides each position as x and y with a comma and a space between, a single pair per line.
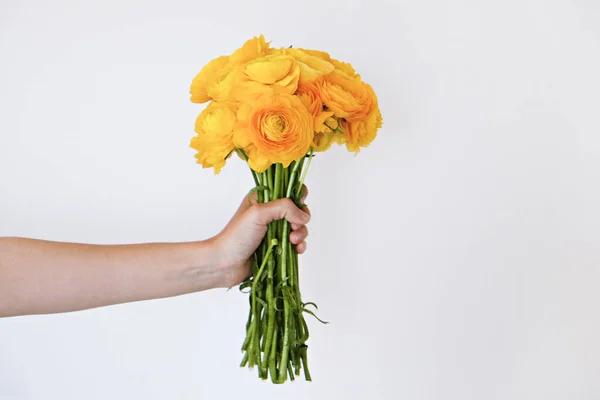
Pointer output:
41, 277
45, 277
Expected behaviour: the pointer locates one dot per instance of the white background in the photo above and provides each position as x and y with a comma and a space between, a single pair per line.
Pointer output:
456, 258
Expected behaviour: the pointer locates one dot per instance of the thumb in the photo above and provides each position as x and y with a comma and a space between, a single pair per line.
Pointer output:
265, 213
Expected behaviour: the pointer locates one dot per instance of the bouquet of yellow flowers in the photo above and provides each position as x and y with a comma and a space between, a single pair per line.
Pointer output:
275, 107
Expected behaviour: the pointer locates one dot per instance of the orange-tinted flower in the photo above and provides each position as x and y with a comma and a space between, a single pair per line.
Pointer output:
325, 125
349, 98
273, 128
308, 93
361, 133
214, 139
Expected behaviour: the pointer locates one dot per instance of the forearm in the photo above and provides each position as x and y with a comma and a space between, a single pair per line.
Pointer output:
40, 277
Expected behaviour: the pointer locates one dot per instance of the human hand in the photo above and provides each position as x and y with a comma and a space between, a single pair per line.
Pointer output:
238, 241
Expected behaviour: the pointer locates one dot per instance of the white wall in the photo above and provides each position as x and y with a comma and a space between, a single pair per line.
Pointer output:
457, 258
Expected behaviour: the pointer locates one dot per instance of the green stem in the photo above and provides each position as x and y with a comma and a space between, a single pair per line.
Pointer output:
286, 174
290, 187
269, 174
305, 363
291, 372
270, 300
255, 346
286, 341
299, 187
273, 359
276, 329
249, 333
285, 267
244, 360
265, 182
293, 270
278, 181
265, 370
242, 154
285, 239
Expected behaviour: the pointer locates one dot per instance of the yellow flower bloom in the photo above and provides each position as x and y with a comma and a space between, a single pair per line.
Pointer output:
206, 78
347, 97
311, 67
345, 68
224, 83
318, 53
308, 93
342, 66
324, 125
260, 75
273, 128
361, 133
289, 100
214, 139
215, 81
253, 48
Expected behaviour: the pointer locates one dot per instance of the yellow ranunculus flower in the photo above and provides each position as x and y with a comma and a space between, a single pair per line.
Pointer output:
273, 128
361, 133
260, 75
311, 67
275, 104
253, 48
206, 78
308, 93
214, 139
217, 78
224, 83
324, 125
317, 53
349, 98
342, 66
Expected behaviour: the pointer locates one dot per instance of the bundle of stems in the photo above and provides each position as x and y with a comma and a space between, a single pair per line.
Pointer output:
276, 331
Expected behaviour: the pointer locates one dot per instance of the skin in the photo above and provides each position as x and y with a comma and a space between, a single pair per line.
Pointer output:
45, 277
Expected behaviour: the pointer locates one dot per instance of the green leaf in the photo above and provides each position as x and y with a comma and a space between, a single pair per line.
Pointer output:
246, 284
257, 188
314, 315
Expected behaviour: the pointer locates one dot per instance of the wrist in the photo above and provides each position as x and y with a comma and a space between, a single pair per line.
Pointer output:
204, 268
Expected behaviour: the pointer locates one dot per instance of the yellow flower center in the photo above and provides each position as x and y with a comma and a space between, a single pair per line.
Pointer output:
274, 127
